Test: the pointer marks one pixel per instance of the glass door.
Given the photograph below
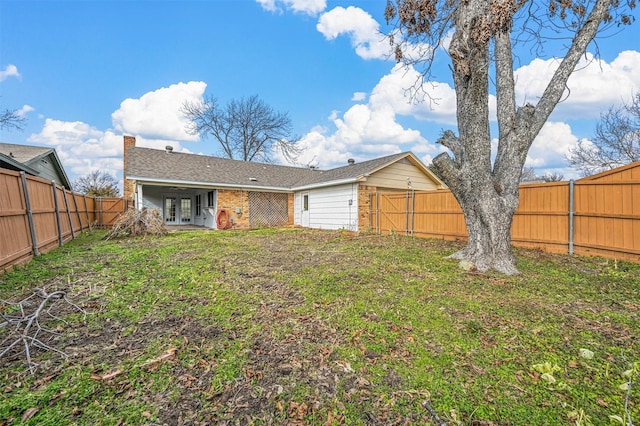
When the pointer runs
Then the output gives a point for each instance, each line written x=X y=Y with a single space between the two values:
x=185 y=210
x=170 y=210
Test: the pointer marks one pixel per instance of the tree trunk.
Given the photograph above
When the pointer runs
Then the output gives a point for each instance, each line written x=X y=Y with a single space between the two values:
x=488 y=217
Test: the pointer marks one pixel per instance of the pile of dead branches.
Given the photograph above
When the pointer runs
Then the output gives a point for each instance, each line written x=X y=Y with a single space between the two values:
x=27 y=325
x=138 y=222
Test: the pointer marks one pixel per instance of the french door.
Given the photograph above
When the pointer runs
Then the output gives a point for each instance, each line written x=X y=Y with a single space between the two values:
x=178 y=210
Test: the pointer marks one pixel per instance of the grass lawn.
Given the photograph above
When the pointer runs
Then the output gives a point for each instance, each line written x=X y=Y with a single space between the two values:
x=302 y=327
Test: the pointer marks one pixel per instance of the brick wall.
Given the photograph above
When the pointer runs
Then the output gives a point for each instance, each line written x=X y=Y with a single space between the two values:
x=290 y=208
x=231 y=200
x=364 y=207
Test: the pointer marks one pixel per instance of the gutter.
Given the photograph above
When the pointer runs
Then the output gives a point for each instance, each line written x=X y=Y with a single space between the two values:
x=325 y=184
x=192 y=184
x=205 y=185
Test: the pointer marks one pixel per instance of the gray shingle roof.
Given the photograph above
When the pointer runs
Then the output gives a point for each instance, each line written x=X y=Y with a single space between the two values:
x=27 y=157
x=158 y=165
x=24 y=154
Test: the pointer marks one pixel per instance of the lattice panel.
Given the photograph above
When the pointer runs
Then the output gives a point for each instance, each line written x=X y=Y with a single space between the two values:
x=268 y=209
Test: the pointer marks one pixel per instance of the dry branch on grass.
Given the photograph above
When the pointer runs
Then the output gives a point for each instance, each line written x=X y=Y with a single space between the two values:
x=138 y=222
x=26 y=324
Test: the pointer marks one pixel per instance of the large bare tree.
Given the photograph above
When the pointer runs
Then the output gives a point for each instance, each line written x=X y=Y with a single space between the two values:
x=616 y=141
x=247 y=129
x=481 y=52
x=97 y=183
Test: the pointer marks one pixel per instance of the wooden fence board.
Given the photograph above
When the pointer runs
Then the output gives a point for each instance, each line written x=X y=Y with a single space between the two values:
x=606 y=219
x=76 y=213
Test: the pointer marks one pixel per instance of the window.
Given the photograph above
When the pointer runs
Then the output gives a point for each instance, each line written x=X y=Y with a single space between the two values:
x=210 y=198
x=198 y=205
x=305 y=202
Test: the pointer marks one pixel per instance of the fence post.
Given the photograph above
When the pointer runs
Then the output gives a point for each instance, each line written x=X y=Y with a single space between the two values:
x=571 y=215
x=32 y=229
x=413 y=210
x=66 y=204
x=100 y=213
x=75 y=203
x=406 y=214
x=86 y=210
x=57 y=206
x=378 y=212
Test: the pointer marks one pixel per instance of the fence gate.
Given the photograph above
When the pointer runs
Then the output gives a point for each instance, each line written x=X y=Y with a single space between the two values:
x=268 y=209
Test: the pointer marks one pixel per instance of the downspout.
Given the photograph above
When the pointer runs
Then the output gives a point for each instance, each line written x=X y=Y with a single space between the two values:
x=571 y=215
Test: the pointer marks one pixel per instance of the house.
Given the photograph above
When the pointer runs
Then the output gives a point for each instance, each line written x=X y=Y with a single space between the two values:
x=217 y=192
x=34 y=160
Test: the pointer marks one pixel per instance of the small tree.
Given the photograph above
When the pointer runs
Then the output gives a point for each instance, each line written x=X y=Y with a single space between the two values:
x=552 y=177
x=480 y=35
x=98 y=184
x=246 y=129
x=616 y=141
x=528 y=174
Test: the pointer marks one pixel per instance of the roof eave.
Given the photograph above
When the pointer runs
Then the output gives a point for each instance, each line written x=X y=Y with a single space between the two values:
x=212 y=185
x=325 y=184
x=18 y=165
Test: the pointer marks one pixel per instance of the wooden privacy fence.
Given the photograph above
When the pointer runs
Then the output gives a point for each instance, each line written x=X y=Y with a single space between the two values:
x=37 y=216
x=584 y=217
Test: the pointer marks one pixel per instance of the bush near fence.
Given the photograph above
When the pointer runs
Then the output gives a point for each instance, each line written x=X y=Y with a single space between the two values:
x=587 y=217
x=37 y=216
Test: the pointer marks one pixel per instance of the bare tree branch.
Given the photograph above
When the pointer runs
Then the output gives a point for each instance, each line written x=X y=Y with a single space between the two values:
x=25 y=322
x=11 y=119
x=246 y=129
x=97 y=183
x=616 y=141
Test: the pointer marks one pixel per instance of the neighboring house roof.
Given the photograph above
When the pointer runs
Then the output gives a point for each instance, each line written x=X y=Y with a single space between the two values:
x=153 y=165
x=27 y=158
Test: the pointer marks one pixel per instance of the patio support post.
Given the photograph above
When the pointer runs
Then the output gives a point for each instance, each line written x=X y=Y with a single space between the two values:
x=57 y=206
x=32 y=229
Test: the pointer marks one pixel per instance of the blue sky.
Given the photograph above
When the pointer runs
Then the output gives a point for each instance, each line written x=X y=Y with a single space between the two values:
x=85 y=73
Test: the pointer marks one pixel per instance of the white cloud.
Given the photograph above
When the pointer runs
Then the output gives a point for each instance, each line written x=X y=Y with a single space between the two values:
x=310 y=7
x=363 y=30
x=81 y=147
x=359 y=96
x=157 y=114
x=154 y=119
x=593 y=87
x=9 y=71
x=435 y=101
x=22 y=112
x=371 y=129
x=550 y=147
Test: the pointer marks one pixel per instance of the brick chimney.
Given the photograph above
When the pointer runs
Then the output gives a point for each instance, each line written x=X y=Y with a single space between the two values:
x=129 y=188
